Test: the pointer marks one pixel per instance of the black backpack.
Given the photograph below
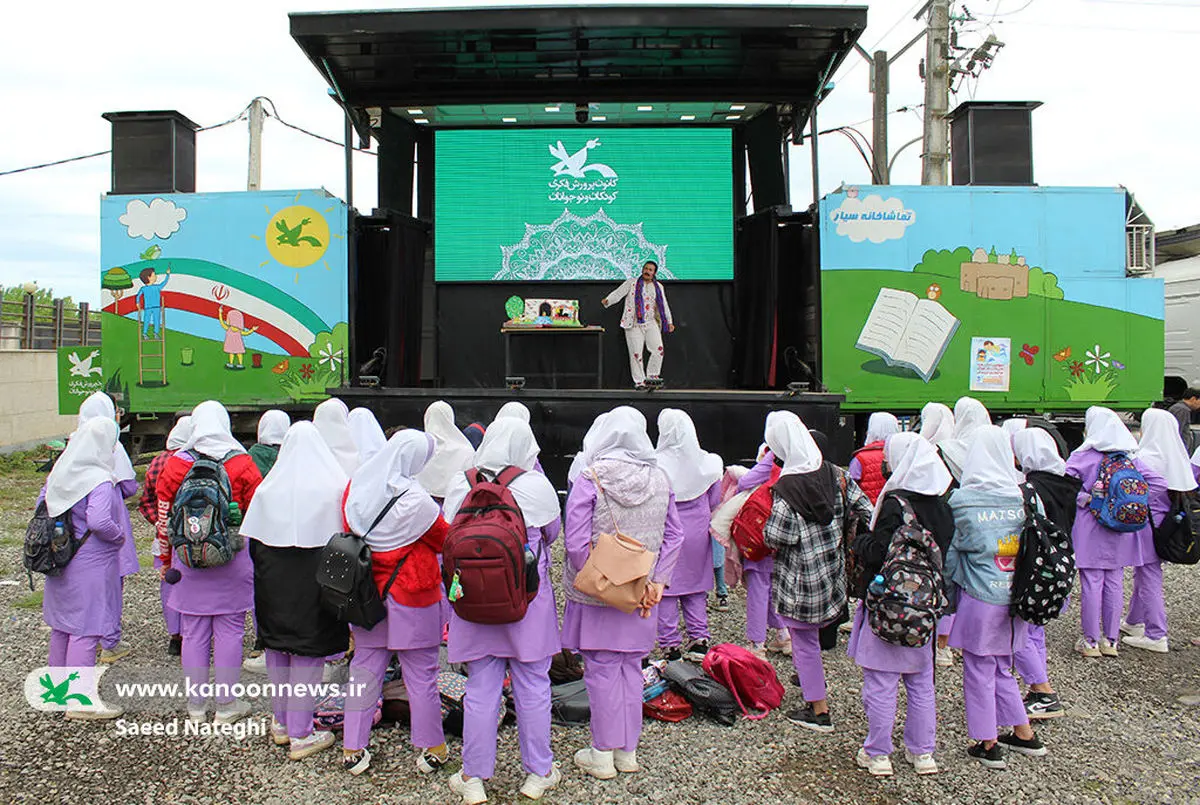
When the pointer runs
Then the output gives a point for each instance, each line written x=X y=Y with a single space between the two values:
x=1045 y=567
x=569 y=704
x=50 y=543
x=1175 y=536
x=346 y=581
x=706 y=694
x=904 y=609
x=201 y=530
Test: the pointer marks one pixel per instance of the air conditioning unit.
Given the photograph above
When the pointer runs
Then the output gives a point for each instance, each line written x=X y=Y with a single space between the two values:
x=1139 y=249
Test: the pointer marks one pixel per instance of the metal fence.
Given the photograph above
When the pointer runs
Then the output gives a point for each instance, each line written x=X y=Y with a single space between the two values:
x=25 y=324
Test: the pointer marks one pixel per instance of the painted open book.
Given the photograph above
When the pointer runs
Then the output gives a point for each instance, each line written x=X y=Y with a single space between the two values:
x=907 y=331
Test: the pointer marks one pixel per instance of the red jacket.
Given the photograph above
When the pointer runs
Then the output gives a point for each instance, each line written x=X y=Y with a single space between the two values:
x=244 y=479
x=870 y=459
x=419 y=582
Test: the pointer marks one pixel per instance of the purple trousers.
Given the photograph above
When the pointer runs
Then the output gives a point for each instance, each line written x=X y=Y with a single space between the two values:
x=1147 y=604
x=72 y=650
x=991 y=694
x=944 y=625
x=212 y=641
x=110 y=640
x=879 y=700
x=296 y=677
x=170 y=614
x=1030 y=661
x=759 y=613
x=419 y=667
x=806 y=657
x=484 y=698
x=614 y=684
x=695 y=618
x=1101 y=598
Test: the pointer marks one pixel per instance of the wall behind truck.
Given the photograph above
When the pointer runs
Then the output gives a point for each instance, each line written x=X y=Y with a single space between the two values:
x=1182 y=279
x=29 y=398
x=1015 y=295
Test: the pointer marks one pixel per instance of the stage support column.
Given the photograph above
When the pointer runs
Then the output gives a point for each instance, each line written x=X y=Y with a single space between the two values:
x=397 y=141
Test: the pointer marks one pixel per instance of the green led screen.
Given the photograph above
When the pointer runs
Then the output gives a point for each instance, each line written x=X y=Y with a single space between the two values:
x=583 y=204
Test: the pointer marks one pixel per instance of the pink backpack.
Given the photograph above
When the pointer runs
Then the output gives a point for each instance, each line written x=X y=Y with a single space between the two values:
x=752 y=681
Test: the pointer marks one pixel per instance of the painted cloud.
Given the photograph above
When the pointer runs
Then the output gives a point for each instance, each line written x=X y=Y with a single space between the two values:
x=158 y=219
x=872 y=218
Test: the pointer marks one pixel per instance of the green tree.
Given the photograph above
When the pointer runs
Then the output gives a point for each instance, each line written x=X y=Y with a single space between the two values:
x=992 y=256
x=43 y=298
x=943 y=262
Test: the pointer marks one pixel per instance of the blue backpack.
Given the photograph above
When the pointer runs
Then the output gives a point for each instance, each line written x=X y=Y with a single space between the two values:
x=1120 y=496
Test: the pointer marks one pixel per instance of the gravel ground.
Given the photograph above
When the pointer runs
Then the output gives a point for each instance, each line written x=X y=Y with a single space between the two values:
x=1129 y=736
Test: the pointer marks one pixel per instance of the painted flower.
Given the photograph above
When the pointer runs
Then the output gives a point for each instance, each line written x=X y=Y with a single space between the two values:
x=330 y=357
x=1076 y=368
x=306 y=371
x=1098 y=360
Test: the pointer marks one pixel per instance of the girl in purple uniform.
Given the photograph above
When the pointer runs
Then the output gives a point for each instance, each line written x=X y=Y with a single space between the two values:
x=756 y=575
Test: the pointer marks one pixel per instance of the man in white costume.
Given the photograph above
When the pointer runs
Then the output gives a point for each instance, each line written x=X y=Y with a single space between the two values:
x=645 y=318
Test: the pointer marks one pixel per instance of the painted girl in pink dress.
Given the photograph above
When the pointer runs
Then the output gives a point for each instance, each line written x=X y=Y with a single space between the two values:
x=234 y=325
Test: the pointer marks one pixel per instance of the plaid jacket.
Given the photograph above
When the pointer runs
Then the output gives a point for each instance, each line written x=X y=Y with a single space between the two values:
x=809 y=581
x=148 y=505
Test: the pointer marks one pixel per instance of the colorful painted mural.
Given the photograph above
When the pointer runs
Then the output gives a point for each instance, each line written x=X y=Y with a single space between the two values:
x=927 y=290
x=239 y=297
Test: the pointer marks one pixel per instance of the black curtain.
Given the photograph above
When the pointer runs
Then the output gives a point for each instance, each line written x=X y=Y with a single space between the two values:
x=387 y=277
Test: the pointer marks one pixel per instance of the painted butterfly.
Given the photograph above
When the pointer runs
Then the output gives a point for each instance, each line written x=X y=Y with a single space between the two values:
x=1028 y=353
x=1118 y=365
x=1062 y=354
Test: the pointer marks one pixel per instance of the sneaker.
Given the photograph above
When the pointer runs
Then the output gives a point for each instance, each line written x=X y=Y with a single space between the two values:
x=1158 y=646
x=780 y=645
x=255 y=664
x=1031 y=747
x=197 y=715
x=357 y=762
x=696 y=651
x=722 y=603
x=95 y=712
x=175 y=646
x=279 y=734
x=429 y=762
x=922 y=764
x=944 y=658
x=673 y=653
x=536 y=786
x=469 y=788
x=597 y=763
x=845 y=628
x=1087 y=648
x=878 y=765
x=1133 y=629
x=626 y=762
x=1043 y=705
x=759 y=650
x=1108 y=648
x=232 y=713
x=111 y=655
x=990 y=758
x=805 y=717
x=311 y=744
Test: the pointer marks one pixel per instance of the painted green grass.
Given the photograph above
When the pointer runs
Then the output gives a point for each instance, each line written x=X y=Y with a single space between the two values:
x=1051 y=325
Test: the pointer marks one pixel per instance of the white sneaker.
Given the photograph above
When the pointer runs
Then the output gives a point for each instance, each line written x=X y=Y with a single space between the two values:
x=878 y=765
x=255 y=665
x=311 y=744
x=922 y=764
x=782 y=644
x=626 y=762
x=231 y=713
x=279 y=734
x=1158 y=646
x=944 y=657
x=95 y=712
x=759 y=650
x=597 y=763
x=469 y=788
x=358 y=762
x=1133 y=629
x=536 y=786
x=197 y=715
x=1107 y=647
x=1086 y=648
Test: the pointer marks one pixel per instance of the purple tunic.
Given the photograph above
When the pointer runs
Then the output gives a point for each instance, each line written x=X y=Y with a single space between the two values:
x=868 y=651
x=129 y=557
x=592 y=628
x=1097 y=548
x=86 y=599
x=758 y=475
x=1160 y=504
x=223 y=590
x=986 y=629
x=693 y=572
x=534 y=637
x=404 y=628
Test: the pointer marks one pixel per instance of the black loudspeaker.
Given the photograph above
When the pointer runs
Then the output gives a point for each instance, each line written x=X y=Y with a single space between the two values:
x=152 y=152
x=991 y=143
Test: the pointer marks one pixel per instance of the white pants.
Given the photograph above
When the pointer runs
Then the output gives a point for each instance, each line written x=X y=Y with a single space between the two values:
x=641 y=337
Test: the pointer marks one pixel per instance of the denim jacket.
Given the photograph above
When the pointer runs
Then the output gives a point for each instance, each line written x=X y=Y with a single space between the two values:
x=987 y=536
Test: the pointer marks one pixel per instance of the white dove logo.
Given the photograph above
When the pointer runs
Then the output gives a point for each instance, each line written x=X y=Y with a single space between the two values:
x=576 y=164
x=84 y=368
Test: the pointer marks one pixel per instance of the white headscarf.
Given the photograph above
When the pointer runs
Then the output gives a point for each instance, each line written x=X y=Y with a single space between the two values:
x=452 y=453
x=969 y=418
x=391 y=472
x=790 y=441
x=273 y=426
x=1162 y=450
x=583 y=459
x=514 y=409
x=1196 y=458
x=621 y=436
x=1013 y=426
x=880 y=426
x=990 y=465
x=180 y=434
x=1037 y=451
x=916 y=468
x=99 y=405
x=299 y=503
x=1104 y=432
x=367 y=434
x=691 y=470
x=84 y=465
x=509 y=442
x=332 y=419
x=211 y=434
x=937 y=423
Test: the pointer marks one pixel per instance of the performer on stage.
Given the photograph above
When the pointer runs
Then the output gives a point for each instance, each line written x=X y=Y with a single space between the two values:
x=645 y=318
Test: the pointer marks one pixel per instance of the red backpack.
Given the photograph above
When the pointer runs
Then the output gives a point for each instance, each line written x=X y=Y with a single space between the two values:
x=752 y=681
x=747 y=528
x=485 y=566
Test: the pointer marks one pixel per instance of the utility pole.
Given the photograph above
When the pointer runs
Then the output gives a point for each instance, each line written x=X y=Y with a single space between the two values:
x=937 y=94
x=254 y=172
x=881 y=67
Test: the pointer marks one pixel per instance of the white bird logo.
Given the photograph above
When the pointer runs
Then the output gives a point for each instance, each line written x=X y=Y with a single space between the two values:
x=576 y=164
x=84 y=368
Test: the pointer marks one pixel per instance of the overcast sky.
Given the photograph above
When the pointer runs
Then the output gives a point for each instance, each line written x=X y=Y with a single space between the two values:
x=1115 y=75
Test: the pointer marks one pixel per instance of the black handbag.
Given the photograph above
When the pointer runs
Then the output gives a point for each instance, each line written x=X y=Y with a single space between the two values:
x=346 y=580
x=1175 y=536
x=569 y=704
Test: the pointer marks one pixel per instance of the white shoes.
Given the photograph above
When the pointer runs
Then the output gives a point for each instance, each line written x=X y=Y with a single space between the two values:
x=944 y=657
x=536 y=786
x=279 y=734
x=314 y=742
x=197 y=715
x=1107 y=647
x=1158 y=646
x=597 y=763
x=255 y=665
x=469 y=788
x=922 y=764
x=879 y=765
x=95 y=712
x=231 y=713
x=1133 y=629
x=759 y=650
x=1087 y=648
x=626 y=762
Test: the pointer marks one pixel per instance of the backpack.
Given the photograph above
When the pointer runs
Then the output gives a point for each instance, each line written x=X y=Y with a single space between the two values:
x=1045 y=568
x=668 y=706
x=747 y=528
x=50 y=542
x=1120 y=496
x=330 y=713
x=490 y=575
x=199 y=528
x=752 y=681
x=569 y=705
x=904 y=609
x=1175 y=536
x=702 y=692
x=346 y=580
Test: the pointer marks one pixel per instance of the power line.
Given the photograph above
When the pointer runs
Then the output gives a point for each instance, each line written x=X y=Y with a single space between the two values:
x=55 y=162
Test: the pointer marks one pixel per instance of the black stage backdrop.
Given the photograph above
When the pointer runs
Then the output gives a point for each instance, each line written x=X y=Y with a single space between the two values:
x=471 y=349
